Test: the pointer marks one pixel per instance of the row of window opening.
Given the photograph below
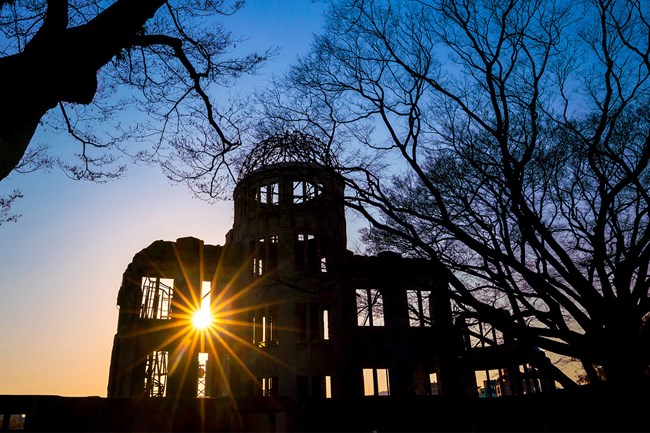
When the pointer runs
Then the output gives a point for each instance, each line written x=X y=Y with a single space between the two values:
x=302 y=191
x=312 y=324
x=370 y=307
x=157 y=296
x=307 y=255
x=376 y=381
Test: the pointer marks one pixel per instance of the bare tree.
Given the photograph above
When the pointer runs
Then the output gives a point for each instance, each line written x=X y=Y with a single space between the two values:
x=517 y=136
x=113 y=74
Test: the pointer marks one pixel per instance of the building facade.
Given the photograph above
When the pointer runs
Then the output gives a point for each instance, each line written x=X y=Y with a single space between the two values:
x=294 y=313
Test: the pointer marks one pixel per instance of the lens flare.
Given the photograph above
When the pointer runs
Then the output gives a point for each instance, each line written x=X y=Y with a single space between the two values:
x=202 y=319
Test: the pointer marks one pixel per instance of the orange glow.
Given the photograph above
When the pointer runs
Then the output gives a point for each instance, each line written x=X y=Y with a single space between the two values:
x=201 y=319
x=205 y=325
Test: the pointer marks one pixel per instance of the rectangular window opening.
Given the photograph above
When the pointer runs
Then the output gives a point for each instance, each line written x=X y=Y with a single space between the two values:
x=376 y=382
x=260 y=329
x=263 y=194
x=433 y=383
x=313 y=259
x=383 y=384
x=487 y=381
x=482 y=334
x=368 y=382
x=315 y=387
x=326 y=325
x=202 y=376
x=310 y=191
x=299 y=252
x=264 y=330
x=304 y=191
x=530 y=383
x=255 y=331
x=370 y=308
x=206 y=289
x=273 y=252
x=328 y=386
x=17 y=421
x=312 y=322
x=272 y=312
x=156 y=298
x=258 y=267
x=263 y=326
x=257 y=251
x=155 y=381
x=270 y=386
x=298 y=192
x=419 y=308
x=274 y=192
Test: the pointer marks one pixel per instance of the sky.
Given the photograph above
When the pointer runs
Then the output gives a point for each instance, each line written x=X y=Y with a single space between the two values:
x=61 y=263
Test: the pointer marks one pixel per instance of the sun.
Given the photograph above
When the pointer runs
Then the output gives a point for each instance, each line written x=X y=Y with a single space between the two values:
x=201 y=319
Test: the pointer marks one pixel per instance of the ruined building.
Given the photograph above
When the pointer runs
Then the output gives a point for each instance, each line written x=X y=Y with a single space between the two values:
x=283 y=329
x=294 y=313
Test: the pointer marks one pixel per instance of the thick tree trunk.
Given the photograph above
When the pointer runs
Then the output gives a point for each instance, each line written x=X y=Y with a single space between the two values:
x=625 y=352
x=60 y=64
x=33 y=83
x=29 y=91
x=626 y=369
x=15 y=136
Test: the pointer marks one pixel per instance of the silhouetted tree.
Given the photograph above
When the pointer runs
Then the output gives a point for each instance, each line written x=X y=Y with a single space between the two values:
x=5 y=206
x=111 y=73
x=520 y=135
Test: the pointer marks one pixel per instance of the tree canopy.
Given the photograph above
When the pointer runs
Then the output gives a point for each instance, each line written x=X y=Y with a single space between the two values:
x=505 y=140
x=116 y=75
x=508 y=141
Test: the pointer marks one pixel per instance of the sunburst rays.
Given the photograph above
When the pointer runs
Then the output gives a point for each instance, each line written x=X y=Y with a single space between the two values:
x=225 y=331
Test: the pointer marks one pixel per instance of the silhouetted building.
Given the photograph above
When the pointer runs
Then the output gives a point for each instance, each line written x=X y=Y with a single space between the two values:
x=294 y=312
x=304 y=335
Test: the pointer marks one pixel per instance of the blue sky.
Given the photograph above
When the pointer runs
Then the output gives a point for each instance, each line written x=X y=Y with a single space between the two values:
x=62 y=262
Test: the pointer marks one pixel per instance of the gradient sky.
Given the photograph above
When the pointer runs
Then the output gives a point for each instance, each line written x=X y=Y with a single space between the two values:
x=61 y=264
